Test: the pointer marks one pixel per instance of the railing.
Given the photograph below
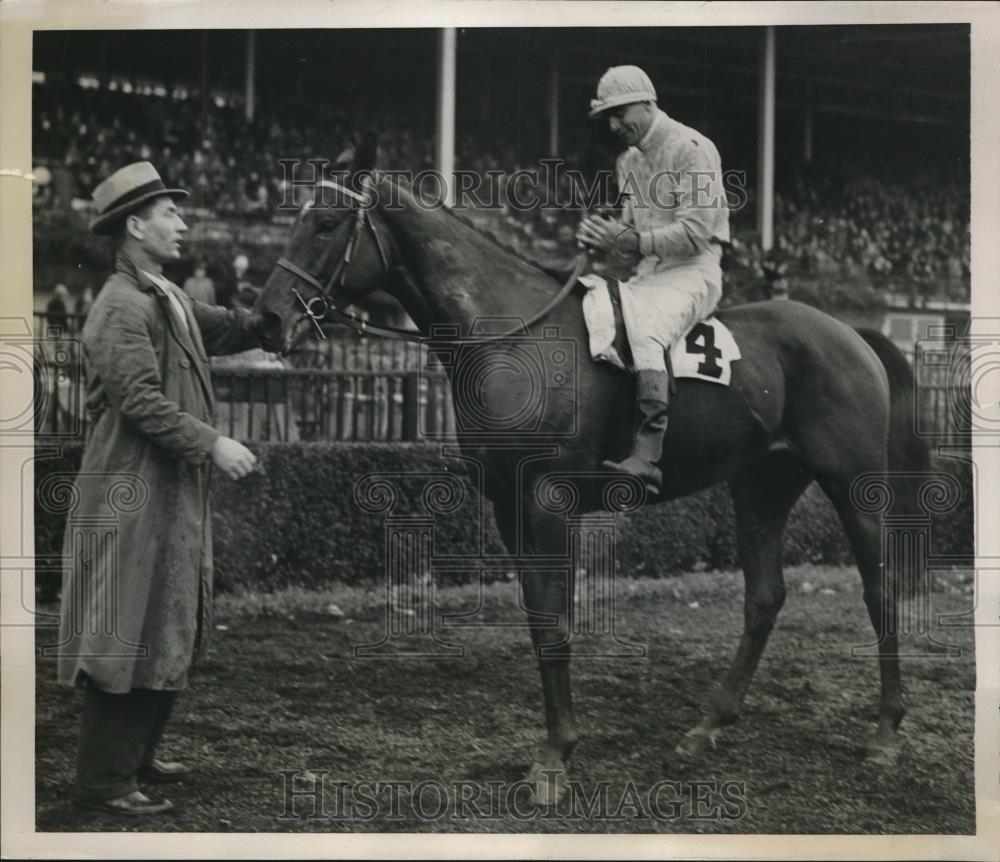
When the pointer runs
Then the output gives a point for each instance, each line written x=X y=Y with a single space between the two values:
x=317 y=404
x=287 y=404
x=944 y=395
x=370 y=390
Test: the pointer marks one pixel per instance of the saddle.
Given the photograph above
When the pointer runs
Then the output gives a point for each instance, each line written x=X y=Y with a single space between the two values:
x=705 y=352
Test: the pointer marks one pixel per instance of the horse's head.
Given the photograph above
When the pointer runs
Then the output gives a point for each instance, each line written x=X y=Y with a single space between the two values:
x=336 y=255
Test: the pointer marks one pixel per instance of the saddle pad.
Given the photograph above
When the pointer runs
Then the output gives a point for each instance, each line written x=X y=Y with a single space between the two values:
x=705 y=352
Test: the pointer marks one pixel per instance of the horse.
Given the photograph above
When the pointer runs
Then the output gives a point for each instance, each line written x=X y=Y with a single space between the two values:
x=811 y=399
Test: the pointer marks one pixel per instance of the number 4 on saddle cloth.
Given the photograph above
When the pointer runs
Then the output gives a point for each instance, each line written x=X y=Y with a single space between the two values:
x=705 y=352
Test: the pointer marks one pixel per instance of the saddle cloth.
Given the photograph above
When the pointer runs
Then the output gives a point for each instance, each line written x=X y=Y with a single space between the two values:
x=705 y=352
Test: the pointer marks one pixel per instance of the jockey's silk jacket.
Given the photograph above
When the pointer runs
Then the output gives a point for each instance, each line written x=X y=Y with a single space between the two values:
x=672 y=185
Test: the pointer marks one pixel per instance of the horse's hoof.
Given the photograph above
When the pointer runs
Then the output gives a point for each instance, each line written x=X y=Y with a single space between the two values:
x=548 y=785
x=697 y=741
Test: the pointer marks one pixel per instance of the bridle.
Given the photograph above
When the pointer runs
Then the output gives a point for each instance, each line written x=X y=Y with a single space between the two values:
x=319 y=307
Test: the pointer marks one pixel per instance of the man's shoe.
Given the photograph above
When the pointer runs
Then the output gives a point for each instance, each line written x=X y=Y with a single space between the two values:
x=134 y=804
x=652 y=394
x=163 y=772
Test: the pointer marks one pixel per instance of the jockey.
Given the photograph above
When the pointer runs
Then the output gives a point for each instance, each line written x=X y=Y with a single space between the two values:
x=674 y=221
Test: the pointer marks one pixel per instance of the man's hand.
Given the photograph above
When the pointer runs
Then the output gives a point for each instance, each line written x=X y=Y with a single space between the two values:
x=233 y=458
x=608 y=234
x=258 y=325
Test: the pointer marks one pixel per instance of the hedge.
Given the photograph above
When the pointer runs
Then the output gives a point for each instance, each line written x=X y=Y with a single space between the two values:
x=298 y=522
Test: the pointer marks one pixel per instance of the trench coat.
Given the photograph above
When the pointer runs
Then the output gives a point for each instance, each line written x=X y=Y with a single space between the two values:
x=137 y=579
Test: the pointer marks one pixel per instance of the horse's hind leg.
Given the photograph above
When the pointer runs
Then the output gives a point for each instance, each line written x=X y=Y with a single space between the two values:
x=763 y=495
x=864 y=531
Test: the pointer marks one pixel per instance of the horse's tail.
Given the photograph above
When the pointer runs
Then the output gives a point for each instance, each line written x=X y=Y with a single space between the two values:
x=907 y=451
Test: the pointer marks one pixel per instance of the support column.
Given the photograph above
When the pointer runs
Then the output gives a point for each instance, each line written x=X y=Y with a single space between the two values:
x=446 y=112
x=765 y=143
x=554 y=104
x=807 y=136
x=102 y=60
x=807 y=125
x=249 y=102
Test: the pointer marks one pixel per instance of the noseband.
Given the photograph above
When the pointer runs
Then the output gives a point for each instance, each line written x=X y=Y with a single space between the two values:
x=319 y=306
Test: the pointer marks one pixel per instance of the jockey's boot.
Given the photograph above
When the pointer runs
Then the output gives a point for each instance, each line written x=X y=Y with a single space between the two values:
x=652 y=395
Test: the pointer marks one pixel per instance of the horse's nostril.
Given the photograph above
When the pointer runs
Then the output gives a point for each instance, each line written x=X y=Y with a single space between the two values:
x=269 y=326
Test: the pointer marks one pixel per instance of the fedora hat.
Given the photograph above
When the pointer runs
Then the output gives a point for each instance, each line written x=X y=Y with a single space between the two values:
x=126 y=189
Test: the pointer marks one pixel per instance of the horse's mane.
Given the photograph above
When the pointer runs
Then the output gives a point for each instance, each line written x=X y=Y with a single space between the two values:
x=491 y=238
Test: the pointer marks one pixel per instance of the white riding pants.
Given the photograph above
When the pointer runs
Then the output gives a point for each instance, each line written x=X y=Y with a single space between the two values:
x=659 y=307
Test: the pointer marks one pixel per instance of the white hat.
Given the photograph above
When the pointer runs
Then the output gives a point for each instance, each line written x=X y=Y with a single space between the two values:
x=622 y=85
x=125 y=190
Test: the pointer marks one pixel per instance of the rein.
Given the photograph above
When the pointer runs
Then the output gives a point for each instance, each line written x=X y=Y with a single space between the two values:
x=319 y=307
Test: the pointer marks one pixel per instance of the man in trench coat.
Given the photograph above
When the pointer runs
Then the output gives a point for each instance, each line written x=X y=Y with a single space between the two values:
x=137 y=593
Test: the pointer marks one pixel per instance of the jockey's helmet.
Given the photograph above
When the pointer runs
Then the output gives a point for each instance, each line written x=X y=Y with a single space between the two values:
x=622 y=85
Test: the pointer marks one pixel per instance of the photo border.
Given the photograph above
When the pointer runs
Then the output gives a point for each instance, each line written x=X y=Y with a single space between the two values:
x=17 y=744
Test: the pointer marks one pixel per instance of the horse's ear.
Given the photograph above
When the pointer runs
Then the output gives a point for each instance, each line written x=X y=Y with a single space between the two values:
x=345 y=159
x=365 y=151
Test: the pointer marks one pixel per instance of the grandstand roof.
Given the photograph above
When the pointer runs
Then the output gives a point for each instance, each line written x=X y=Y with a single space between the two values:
x=913 y=73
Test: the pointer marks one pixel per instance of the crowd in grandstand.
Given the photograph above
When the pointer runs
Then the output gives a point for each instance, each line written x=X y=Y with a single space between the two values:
x=827 y=221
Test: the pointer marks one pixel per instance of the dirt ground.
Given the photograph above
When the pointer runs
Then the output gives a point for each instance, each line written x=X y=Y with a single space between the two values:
x=283 y=702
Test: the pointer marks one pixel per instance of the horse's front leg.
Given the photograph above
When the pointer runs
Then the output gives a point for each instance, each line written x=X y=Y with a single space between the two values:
x=547 y=596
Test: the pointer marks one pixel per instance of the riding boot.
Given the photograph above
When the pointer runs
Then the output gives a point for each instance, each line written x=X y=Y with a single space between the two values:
x=651 y=406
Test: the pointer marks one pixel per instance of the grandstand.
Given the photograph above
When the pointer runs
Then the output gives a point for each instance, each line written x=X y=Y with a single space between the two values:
x=869 y=131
